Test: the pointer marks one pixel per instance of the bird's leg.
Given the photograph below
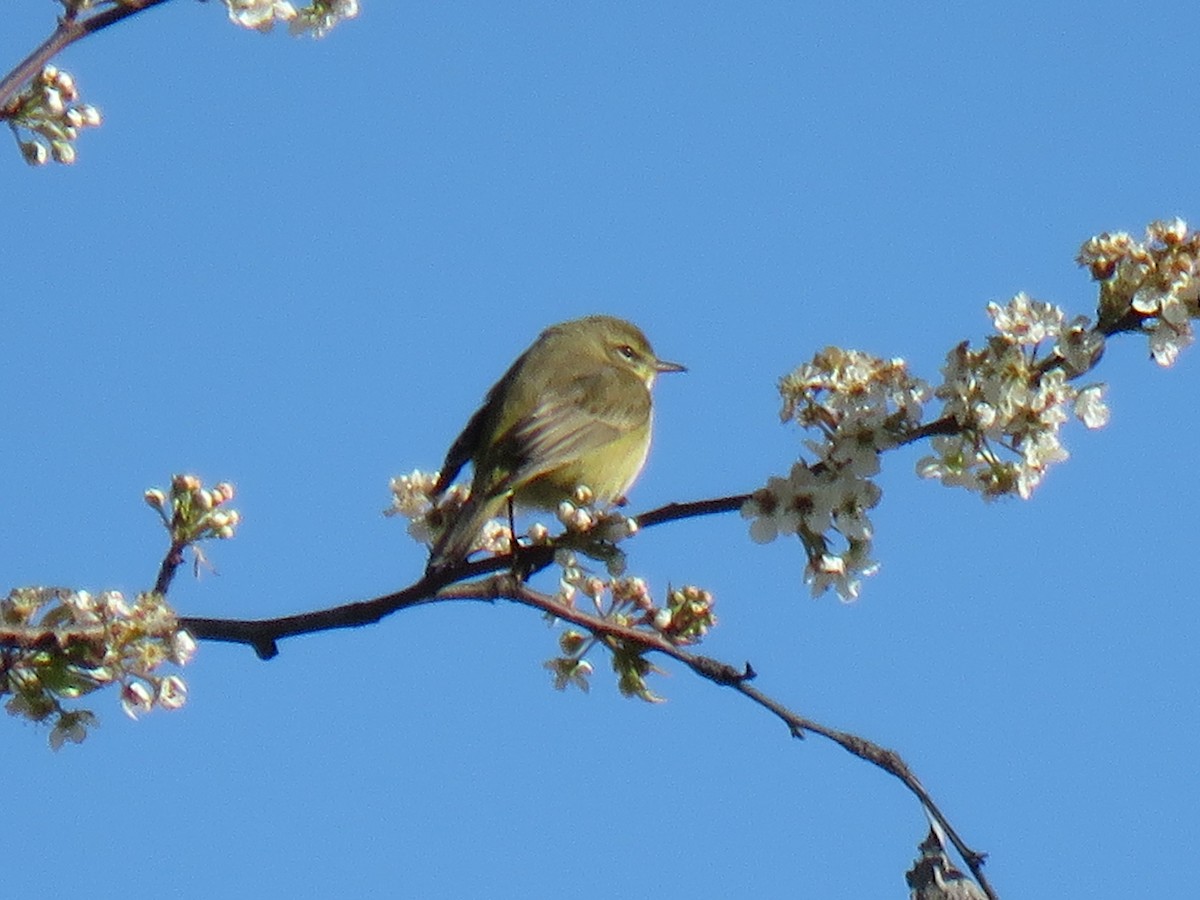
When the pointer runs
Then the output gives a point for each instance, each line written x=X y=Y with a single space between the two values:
x=519 y=571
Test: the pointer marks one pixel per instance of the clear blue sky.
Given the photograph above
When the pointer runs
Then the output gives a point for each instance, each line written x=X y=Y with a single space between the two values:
x=298 y=267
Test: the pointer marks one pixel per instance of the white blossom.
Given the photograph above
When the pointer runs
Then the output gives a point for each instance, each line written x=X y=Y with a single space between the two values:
x=1010 y=398
x=172 y=692
x=136 y=699
x=824 y=506
x=1090 y=407
x=1152 y=285
x=261 y=15
x=1027 y=321
x=1168 y=340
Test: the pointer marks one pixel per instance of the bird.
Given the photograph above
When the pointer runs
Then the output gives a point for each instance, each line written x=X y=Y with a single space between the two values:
x=573 y=410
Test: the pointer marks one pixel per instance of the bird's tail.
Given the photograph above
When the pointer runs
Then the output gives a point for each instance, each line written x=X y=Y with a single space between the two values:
x=462 y=534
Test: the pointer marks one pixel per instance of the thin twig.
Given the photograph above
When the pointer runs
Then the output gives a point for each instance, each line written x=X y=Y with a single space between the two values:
x=71 y=28
x=503 y=586
x=888 y=760
x=171 y=562
x=672 y=511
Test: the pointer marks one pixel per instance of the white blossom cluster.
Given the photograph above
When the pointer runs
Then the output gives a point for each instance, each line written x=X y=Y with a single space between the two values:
x=412 y=498
x=46 y=118
x=860 y=405
x=317 y=19
x=192 y=512
x=63 y=644
x=1149 y=284
x=572 y=668
x=1009 y=399
x=1004 y=403
x=684 y=619
x=49 y=112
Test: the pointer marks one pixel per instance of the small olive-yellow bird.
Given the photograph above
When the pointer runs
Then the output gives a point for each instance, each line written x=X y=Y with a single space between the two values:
x=573 y=410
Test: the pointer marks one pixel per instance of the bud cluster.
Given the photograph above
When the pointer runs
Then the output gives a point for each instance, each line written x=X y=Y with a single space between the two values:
x=685 y=619
x=933 y=875
x=194 y=513
x=687 y=616
x=1010 y=398
x=582 y=519
x=49 y=111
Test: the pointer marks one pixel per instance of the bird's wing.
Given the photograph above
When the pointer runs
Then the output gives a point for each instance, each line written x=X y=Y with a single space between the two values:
x=477 y=431
x=462 y=449
x=594 y=409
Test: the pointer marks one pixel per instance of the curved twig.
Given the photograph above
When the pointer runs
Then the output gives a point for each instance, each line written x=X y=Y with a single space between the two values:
x=71 y=28
x=503 y=586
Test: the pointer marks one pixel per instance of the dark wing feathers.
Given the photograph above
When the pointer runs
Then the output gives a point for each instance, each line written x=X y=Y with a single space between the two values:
x=585 y=416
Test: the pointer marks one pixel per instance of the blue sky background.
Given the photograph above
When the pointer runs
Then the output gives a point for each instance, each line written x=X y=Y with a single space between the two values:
x=299 y=266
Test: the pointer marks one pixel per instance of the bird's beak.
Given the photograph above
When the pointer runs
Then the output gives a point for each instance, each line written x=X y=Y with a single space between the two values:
x=661 y=365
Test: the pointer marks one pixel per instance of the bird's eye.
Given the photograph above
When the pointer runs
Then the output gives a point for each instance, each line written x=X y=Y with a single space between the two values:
x=626 y=351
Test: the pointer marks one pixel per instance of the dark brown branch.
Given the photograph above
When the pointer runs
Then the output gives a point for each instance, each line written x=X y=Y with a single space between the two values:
x=505 y=587
x=70 y=29
x=264 y=634
x=674 y=511
x=496 y=582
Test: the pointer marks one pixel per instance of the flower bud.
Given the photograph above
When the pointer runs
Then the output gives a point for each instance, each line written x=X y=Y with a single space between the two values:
x=65 y=82
x=54 y=102
x=62 y=152
x=34 y=153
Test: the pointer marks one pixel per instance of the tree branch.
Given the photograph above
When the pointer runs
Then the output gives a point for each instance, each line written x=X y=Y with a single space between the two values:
x=888 y=760
x=672 y=511
x=504 y=586
x=70 y=29
x=495 y=581
x=263 y=634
